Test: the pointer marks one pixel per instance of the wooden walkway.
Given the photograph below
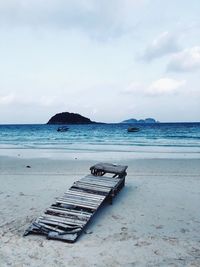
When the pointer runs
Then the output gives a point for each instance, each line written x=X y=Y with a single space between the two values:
x=67 y=218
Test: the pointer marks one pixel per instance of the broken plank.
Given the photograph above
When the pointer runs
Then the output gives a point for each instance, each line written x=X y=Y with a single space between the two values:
x=76 y=204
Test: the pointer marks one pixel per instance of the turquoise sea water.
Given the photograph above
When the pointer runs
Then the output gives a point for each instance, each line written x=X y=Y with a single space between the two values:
x=161 y=138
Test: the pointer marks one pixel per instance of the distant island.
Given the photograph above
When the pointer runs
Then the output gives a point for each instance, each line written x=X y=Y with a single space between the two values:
x=148 y=120
x=69 y=118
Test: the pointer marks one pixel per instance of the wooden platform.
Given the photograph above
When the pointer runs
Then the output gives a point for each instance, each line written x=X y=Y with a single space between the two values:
x=67 y=218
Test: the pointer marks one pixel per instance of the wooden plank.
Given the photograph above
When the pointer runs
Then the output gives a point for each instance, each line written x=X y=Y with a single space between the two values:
x=83 y=198
x=73 y=211
x=99 y=182
x=50 y=228
x=103 y=178
x=95 y=187
x=91 y=189
x=82 y=193
x=61 y=220
x=76 y=204
x=87 y=190
x=61 y=212
x=79 y=201
x=55 y=223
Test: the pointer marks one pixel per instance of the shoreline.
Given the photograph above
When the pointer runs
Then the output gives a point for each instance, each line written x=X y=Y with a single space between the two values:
x=154 y=220
x=100 y=154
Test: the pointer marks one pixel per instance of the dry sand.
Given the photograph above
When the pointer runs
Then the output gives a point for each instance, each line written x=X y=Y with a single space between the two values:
x=154 y=221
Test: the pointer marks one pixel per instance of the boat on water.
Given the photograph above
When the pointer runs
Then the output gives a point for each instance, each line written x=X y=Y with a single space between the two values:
x=62 y=129
x=133 y=129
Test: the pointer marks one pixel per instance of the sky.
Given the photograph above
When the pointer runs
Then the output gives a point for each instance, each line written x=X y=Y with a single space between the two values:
x=108 y=60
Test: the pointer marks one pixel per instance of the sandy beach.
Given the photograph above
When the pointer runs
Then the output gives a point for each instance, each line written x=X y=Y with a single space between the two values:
x=154 y=220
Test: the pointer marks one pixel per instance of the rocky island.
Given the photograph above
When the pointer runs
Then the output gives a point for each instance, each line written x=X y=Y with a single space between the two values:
x=148 y=120
x=69 y=118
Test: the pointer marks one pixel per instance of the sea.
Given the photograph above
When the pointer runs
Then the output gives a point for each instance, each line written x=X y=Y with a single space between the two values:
x=158 y=140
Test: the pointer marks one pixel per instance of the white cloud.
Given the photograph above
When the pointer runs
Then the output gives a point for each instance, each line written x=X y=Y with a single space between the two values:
x=165 y=43
x=165 y=86
x=186 y=60
x=27 y=100
x=160 y=87
x=7 y=99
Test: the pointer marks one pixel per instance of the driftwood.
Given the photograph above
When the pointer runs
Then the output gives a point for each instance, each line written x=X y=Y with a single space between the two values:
x=67 y=218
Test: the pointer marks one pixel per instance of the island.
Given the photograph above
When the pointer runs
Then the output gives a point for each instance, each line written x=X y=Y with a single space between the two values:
x=69 y=118
x=148 y=120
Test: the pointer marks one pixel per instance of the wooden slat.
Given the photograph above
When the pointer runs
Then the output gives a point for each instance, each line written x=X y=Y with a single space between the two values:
x=50 y=228
x=81 y=193
x=75 y=200
x=82 y=197
x=73 y=211
x=76 y=204
x=103 y=178
x=95 y=187
x=89 y=190
x=99 y=182
x=61 y=220
x=76 y=215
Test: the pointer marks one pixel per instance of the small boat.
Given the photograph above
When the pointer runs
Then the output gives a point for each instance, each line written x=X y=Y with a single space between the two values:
x=62 y=129
x=133 y=129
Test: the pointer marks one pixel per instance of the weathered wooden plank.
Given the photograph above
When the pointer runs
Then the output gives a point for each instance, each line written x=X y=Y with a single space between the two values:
x=102 y=178
x=76 y=204
x=82 y=193
x=61 y=220
x=75 y=215
x=93 y=186
x=55 y=223
x=49 y=228
x=71 y=210
x=99 y=182
x=87 y=190
x=83 y=198
x=77 y=201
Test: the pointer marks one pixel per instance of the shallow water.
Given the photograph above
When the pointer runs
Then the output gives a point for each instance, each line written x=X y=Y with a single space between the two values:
x=151 y=138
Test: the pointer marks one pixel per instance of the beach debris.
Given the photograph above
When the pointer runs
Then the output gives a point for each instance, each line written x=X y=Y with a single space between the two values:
x=28 y=166
x=68 y=217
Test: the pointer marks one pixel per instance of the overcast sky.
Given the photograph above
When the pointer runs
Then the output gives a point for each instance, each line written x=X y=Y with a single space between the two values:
x=108 y=60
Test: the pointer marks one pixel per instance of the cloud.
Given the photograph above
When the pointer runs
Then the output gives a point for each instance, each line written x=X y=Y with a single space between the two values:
x=108 y=18
x=27 y=100
x=7 y=99
x=186 y=60
x=165 y=86
x=164 y=44
x=160 y=87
